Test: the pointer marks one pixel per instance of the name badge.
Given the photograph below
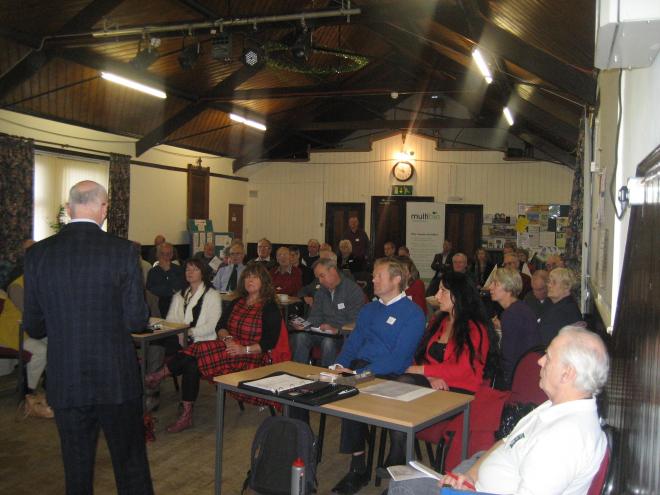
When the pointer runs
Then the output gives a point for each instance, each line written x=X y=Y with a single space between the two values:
x=391 y=320
x=340 y=306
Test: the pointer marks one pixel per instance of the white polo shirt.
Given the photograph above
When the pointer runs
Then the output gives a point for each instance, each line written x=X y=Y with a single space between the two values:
x=554 y=450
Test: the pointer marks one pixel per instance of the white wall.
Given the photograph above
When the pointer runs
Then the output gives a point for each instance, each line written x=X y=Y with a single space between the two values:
x=158 y=197
x=640 y=134
x=291 y=197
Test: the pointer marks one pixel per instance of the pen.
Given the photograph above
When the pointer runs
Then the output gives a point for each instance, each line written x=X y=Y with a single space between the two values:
x=465 y=482
x=343 y=392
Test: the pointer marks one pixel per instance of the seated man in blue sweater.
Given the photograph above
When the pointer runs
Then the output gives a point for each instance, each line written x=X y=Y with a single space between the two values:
x=384 y=341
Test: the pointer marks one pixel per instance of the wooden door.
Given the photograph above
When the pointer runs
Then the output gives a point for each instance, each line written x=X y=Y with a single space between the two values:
x=388 y=220
x=235 y=220
x=198 y=192
x=336 y=220
x=463 y=227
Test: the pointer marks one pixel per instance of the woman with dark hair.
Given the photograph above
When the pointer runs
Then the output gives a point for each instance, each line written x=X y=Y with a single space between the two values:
x=199 y=305
x=458 y=350
x=481 y=267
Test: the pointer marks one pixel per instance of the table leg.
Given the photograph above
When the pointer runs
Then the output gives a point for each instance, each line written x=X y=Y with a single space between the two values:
x=410 y=446
x=466 y=431
x=220 y=413
x=144 y=346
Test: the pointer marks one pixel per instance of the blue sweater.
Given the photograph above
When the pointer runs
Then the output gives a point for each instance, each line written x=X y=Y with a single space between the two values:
x=385 y=336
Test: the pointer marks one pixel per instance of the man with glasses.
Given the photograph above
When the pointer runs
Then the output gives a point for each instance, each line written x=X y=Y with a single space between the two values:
x=227 y=277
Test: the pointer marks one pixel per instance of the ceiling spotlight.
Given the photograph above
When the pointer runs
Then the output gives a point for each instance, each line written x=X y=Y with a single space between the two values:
x=253 y=57
x=189 y=55
x=483 y=66
x=148 y=56
x=508 y=116
x=302 y=47
x=221 y=47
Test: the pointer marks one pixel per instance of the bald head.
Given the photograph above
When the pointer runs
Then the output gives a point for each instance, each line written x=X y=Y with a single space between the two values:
x=88 y=199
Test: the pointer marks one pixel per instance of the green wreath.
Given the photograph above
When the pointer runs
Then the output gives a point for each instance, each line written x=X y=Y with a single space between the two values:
x=350 y=62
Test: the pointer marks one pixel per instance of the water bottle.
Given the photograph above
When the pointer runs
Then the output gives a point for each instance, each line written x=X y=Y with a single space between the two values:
x=298 y=477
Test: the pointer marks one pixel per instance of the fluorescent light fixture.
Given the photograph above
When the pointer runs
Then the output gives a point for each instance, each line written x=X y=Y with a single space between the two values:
x=133 y=84
x=483 y=67
x=507 y=115
x=248 y=122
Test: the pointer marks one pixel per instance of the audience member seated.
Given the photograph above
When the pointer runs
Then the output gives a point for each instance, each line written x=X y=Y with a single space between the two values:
x=358 y=238
x=516 y=325
x=206 y=255
x=199 y=305
x=559 y=446
x=455 y=349
x=441 y=263
x=336 y=302
x=564 y=310
x=386 y=335
x=309 y=290
x=404 y=251
x=11 y=313
x=166 y=278
x=414 y=285
x=264 y=248
x=306 y=271
x=389 y=249
x=152 y=257
x=312 y=255
x=346 y=260
x=287 y=279
x=511 y=261
x=226 y=280
x=525 y=266
x=481 y=267
x=554 y=261
x=537 y=298
x=509 y=248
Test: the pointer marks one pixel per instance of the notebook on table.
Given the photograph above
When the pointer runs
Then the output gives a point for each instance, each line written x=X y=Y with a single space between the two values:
x=301 y=390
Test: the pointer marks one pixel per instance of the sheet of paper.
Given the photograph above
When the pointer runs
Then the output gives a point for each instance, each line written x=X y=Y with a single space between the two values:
x=398 y=391
x=401 y=473
x=547 y=239
x=278 y=383
x=215 y=263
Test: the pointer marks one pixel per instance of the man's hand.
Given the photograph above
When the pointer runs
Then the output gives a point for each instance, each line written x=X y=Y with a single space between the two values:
x=326 y=327
x=438 y=383
x=297 y=326
x=496 y=323
x=341 y=369
x=416 y=370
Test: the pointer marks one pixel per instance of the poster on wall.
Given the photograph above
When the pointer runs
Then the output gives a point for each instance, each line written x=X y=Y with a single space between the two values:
x=425 y=232
x=542 y=227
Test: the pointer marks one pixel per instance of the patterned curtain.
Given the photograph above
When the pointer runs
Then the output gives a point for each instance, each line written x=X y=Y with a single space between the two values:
x=573 y=254
x=16 y=199
x=119 y=194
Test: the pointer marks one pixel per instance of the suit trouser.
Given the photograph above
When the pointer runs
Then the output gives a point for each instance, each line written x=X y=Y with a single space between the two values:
x=123 y=428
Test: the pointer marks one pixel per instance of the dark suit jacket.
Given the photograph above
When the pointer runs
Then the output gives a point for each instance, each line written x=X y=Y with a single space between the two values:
x=83 y=289
x=439 y=266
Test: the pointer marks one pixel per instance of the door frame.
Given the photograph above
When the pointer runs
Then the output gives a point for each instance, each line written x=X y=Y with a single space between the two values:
x=360 y=207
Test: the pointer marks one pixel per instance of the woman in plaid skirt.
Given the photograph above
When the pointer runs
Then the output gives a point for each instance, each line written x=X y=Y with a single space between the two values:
x=247 y=330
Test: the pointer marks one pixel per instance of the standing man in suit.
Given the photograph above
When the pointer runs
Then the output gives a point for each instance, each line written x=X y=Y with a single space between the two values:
x=83 y=289
x=441 y=263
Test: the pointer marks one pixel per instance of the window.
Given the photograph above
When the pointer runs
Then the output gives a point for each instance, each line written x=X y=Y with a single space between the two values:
x=54 y=175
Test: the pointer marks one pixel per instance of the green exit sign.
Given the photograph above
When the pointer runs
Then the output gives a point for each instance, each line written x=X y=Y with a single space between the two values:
x=402 y=190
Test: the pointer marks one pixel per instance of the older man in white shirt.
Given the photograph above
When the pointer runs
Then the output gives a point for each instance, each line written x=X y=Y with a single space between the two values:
x=558 y=447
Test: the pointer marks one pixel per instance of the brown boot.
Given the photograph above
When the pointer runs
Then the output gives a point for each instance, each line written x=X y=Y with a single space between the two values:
x=152 y=380
x=185 y=420
x=37 y=407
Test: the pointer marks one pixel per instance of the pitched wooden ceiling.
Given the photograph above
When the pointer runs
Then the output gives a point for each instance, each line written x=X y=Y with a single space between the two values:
x=540 y=53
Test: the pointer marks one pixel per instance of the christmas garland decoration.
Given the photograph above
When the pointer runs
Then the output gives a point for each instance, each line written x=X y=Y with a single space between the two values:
x=350 y=62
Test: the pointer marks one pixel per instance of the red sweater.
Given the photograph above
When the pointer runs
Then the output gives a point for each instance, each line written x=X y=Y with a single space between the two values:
x=287 y=283
x=459 y=373
x=418 y=294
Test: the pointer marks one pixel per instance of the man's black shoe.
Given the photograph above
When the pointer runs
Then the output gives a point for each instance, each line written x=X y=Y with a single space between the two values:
x=351 y=483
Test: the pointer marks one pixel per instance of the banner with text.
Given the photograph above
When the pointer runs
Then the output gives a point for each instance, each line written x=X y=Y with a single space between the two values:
x=425 y=232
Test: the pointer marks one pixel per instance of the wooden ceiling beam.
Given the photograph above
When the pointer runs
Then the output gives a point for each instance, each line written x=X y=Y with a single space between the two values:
x=36 y=59
x=157 y=135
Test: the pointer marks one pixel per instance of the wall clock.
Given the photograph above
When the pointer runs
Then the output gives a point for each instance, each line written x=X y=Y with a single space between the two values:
x=403 y=171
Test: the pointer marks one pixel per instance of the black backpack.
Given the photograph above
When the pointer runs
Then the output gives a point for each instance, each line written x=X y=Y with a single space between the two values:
x=277 y=443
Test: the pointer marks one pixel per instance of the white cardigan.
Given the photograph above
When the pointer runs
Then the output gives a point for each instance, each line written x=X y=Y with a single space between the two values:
x=208 y=316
